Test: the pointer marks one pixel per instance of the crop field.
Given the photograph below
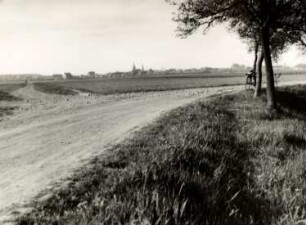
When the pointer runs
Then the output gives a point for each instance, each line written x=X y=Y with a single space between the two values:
x=10 y=86
x=144 y=84
x=125 y=85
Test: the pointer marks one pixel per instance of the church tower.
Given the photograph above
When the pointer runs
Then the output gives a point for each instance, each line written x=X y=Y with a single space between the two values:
x=134 y=69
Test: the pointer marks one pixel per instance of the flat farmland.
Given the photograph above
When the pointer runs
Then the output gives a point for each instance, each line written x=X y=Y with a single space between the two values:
x=45 y=137
x=10 y=86
x=144 y=84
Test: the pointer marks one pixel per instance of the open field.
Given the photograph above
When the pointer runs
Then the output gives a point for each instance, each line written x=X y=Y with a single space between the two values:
x=144 y=84
x=49 y=136
x=11 y=86
x=81 y=126
x=217 y=161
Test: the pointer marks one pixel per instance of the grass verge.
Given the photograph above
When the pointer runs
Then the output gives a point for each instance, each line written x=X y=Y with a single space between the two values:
x=222 y=161
x=4 y=96
x=7 y=110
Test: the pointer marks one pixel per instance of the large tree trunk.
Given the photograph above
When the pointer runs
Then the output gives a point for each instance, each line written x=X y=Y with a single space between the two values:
x=256 y=55
x=265 y=38
x=259 y=75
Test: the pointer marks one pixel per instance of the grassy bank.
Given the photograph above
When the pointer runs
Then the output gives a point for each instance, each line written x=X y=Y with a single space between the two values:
x=4 y=96
x=5 y=111
x=222 y=161
x=7 y=97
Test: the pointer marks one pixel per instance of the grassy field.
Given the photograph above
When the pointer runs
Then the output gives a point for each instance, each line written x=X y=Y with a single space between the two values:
x=54 y=88
x=11 y=86
x=141 y=84
x=218 y=161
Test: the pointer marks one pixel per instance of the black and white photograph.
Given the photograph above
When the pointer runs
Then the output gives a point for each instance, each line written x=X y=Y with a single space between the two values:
x=152 y=112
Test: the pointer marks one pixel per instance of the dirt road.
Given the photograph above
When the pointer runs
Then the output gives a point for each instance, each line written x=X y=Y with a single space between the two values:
x=50 y=136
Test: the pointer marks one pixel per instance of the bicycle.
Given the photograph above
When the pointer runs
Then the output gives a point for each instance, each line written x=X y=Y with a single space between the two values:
x=250 y=82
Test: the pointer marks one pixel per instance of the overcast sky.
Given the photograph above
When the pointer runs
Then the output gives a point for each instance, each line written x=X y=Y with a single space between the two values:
x=56 y=36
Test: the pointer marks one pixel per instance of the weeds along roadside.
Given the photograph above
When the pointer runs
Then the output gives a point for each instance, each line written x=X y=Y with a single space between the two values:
x=222 y=161
x=5 y=96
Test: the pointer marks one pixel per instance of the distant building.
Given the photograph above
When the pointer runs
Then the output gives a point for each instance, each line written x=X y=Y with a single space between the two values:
x=58 y=76
x=92 y=74
x=116 y=74
x=138 y=72
x=68 y=76
x=134 y=69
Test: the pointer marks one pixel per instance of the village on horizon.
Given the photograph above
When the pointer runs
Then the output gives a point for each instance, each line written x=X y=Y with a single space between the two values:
x=234 y=70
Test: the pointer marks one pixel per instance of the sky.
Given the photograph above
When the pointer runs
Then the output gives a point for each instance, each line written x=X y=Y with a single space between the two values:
x=77 y=36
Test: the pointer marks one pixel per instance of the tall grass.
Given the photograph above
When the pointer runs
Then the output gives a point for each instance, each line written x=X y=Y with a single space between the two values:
x=6 y=97
x=222 y=161
x=5 y=111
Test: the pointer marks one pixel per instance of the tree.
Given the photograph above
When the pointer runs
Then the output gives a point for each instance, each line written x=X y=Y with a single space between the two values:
x=250 y=35
x=279 y=43
x=266 y=17
x=259 y=75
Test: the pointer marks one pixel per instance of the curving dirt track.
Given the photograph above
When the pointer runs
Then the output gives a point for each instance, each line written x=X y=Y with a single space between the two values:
x=50 y=136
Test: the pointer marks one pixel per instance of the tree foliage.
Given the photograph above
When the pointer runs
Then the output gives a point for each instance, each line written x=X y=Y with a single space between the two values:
x=274 y=24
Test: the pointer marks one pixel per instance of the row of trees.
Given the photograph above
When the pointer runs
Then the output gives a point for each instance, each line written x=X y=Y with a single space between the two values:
x=269 y=26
